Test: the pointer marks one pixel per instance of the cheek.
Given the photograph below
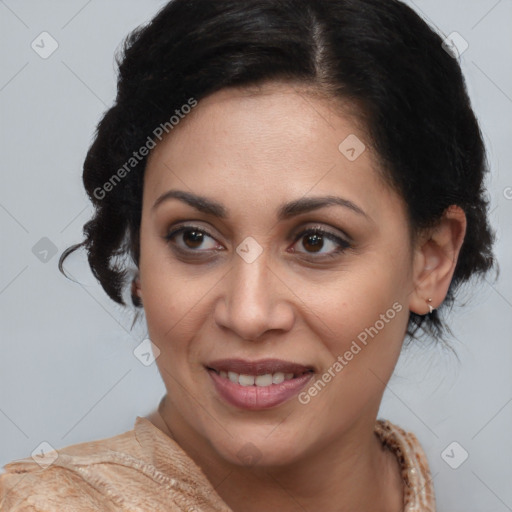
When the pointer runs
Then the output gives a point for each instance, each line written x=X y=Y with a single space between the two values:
x=362 y=333
x=173 y=309
x=177 y=300
x=168 y=297
x=355 y=302
x=362 y=316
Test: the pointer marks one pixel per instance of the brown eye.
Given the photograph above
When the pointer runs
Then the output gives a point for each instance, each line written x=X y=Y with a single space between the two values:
x=315 y=240
x=193 y=239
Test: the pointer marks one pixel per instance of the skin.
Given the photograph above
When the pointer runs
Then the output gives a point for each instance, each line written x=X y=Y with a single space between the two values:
x=253 y=150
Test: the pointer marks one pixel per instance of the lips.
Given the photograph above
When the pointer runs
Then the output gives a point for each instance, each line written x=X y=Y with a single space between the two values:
x=258 y=384
x=261 y=367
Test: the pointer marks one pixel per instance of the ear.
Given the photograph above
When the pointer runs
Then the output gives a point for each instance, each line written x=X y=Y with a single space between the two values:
x=136 y=288
x=434 y=260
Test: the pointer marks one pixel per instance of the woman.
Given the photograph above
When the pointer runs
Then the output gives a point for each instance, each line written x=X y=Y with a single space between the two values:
x=299 y=185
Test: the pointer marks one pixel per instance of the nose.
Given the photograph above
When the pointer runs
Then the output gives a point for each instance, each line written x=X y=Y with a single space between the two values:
x=254 y=300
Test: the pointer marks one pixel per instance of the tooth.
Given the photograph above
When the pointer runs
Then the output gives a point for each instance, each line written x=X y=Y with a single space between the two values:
x=278 y=377
x=264 y=380
x=246 y=380
x=259 y=380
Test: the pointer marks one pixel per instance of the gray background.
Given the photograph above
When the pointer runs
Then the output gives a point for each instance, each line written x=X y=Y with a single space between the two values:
x=68 y=373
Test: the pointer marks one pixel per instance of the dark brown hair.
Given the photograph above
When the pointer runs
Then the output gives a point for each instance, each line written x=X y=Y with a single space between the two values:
x=379 y=55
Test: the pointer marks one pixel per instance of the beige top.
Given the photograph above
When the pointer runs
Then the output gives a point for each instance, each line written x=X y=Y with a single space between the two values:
x=146 y=470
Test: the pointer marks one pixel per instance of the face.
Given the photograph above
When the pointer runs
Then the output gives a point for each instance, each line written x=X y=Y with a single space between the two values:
x=279 y=314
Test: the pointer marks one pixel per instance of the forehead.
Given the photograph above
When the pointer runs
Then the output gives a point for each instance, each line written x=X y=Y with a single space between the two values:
x=274 y=142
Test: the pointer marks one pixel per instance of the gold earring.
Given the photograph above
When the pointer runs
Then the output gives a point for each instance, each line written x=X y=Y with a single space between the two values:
x=430 y=306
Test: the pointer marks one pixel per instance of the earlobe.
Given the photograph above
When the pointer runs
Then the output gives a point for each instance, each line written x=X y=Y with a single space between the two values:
x=435 y=260
x=136 y=288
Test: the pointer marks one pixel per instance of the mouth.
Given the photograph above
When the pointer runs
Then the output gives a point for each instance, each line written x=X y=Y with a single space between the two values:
x=258 y=384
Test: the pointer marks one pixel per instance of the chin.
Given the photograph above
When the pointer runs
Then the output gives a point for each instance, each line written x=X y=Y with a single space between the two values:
x=260 y=446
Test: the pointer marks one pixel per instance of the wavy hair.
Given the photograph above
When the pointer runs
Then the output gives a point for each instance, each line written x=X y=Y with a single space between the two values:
x=377 y=55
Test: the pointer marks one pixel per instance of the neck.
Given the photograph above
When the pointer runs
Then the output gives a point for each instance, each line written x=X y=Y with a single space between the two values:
x=354 y=472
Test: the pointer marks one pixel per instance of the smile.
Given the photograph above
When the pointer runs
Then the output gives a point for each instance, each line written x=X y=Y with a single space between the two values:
x=268 y=379
x=258 y=385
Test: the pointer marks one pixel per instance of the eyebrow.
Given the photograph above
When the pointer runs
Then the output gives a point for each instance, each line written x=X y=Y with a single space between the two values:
x=286 y=211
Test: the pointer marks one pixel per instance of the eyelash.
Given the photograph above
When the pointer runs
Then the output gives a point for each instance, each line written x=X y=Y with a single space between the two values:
x=342 y=244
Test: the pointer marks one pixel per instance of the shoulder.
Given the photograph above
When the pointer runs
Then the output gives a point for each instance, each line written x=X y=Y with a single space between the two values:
x=49 y=490
x=46 y=482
